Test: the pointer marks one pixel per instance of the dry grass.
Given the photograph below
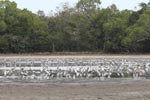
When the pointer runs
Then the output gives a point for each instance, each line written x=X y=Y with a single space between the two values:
x=72 y=56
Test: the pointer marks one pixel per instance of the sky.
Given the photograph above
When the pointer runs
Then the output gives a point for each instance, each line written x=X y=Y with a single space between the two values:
x=50 y=5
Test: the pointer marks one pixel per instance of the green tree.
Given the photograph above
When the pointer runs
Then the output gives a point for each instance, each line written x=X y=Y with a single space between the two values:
x=3 y=45
x=115 y=31
x=23 y=29
x=139 y=34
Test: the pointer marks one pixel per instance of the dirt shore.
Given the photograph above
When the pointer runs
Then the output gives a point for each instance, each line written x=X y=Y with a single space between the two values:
x=100 y=90
x=74 y=56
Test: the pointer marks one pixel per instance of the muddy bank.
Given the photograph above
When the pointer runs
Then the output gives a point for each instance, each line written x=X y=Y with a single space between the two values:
x=100 y=90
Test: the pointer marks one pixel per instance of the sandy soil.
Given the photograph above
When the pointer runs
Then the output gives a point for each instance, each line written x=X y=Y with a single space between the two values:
x=99 y=90
x=75 y=56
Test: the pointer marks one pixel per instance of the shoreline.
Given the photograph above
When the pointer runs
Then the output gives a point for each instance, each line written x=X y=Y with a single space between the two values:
x=74 y=56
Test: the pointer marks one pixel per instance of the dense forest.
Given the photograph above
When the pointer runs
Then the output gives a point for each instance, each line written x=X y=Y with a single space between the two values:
x=86 y=27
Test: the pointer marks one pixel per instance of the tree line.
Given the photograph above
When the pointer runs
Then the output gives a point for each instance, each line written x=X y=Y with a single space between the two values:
x=84 y=27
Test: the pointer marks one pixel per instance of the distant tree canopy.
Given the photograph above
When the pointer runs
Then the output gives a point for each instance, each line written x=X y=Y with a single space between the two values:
x=85 y=27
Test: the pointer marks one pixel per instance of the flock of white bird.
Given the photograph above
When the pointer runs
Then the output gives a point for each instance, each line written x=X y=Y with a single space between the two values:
x=73 y=68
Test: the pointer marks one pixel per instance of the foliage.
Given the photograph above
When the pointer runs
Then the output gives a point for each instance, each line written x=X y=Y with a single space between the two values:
x=85 y=27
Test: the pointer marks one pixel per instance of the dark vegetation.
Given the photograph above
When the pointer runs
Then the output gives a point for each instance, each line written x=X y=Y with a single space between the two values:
x=84 y=28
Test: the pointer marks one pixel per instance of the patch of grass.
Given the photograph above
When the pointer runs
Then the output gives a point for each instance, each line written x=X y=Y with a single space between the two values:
x=126 y=75
x=1 y=73
x=115 y=75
